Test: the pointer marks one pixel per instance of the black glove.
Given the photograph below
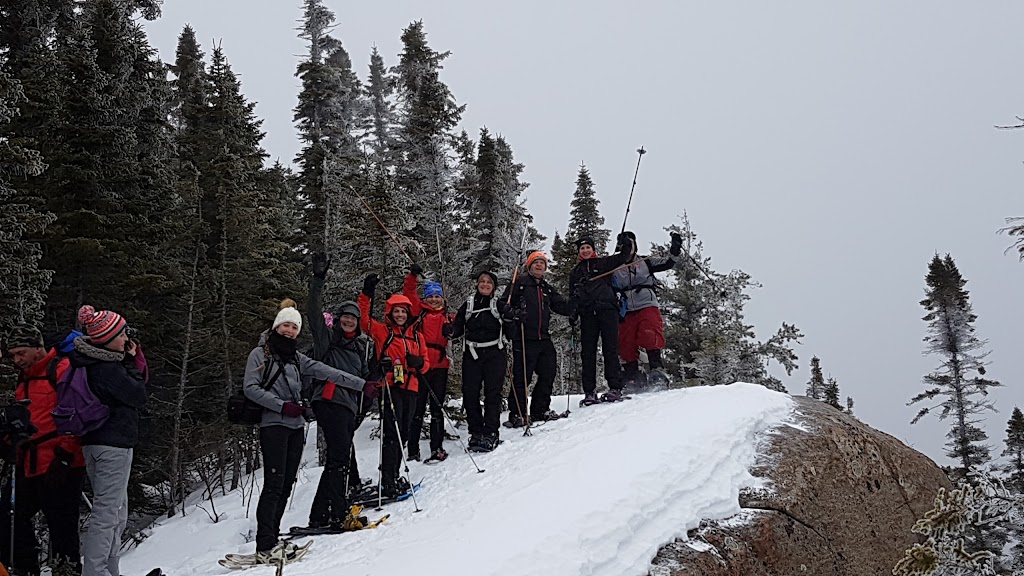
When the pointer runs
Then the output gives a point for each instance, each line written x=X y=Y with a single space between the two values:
x=16 y=420
x=447 y=330
x=415 y=269
x=320 y=265
x=413 y=361
x=677 y=244
x=370 y=284
x=386 y=365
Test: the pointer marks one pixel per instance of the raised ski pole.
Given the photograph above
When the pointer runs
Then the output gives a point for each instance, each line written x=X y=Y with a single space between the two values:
x=401 y=447
x=379 y=221
x=640 y=154
x=455 y=430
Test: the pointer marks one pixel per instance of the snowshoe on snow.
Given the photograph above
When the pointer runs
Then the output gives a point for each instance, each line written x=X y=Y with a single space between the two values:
x=614 y=395
x=590 y=400
x=369 y=497
x=353 y=521
x=487 y=443
x=474 y=442
x=658 y=379
x=285 y=552
x=436 y=456
x=546 y=417
x=450 y=436
x=515 y=421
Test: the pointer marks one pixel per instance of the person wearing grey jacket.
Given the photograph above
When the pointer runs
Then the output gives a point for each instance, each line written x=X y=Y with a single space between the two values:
x=338 y=410
x=274 y=380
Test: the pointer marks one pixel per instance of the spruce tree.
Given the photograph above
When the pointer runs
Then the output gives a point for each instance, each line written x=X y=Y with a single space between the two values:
x=832 y=393
x=379 y=125
x=23 y=220
x=958 y=386
x=1014 y=451
x=816 y=385
x=584 y=220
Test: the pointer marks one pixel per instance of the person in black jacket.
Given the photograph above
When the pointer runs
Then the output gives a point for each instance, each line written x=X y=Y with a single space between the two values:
x=596 y=306
x=484 y=360
x=117 y=373
x=531 y=302
x=338 y=410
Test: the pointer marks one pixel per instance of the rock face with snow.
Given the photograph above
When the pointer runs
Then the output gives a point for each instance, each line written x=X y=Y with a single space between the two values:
x=841 y=500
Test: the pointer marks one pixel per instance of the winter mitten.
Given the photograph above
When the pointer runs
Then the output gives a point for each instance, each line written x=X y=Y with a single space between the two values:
x=370 y=284
x=292 y=410
x=677 y=244
x=320 y=265
x=413 y=361
x=16 y=420
x=415 y=269
x=447 y=330
x=371 y=388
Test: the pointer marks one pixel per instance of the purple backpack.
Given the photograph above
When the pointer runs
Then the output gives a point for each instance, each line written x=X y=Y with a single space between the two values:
x=78 y=410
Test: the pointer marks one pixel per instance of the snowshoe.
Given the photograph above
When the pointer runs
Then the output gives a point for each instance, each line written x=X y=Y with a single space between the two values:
x=474 y=442
x=369 y=497
x=487 y=443
x=590 y=400
x=514 y=422
x=636 y=381
x=658 y=379
x=450 y=436
x=284 y=551
x=436 y=456
x=546 y=417
x=614 y=395
x=353 y=521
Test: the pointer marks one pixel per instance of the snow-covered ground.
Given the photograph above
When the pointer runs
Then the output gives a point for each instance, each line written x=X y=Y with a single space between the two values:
x=594 y=494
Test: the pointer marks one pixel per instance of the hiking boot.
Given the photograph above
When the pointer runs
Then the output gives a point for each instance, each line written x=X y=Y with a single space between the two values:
x=414 y=453
x=397 y=487
x=546 y=417
x=612 y=395
x=515 y=421
x=438 y=455
x=590 y=399
x=475 y=441
x=658 y=378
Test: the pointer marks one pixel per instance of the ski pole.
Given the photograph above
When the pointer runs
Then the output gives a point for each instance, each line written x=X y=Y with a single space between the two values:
x=401 y=447
x=640 y=154
x=455 y=430
x=380 y=463
x=385 y=228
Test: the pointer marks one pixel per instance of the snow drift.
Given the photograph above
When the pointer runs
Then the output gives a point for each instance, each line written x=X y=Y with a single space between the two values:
x=597 y=493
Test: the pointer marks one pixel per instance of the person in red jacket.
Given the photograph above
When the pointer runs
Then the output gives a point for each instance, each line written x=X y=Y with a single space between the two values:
x=50 y=468
x=434 y=323
x=403 y=361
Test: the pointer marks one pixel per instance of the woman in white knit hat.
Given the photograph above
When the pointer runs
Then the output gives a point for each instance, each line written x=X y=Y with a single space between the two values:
x=273 y=379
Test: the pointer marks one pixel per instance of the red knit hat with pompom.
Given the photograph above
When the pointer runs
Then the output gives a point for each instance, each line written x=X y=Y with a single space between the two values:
x=100 y=326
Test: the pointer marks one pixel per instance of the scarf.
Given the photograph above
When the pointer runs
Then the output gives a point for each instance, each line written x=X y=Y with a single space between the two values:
x=85 y=348
x=282 y=346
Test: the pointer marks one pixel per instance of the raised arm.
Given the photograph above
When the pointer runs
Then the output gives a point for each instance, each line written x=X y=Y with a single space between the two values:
x=409 y=286
x=315 y=308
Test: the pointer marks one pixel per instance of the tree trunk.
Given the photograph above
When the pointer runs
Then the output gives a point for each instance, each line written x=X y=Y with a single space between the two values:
x=177 y=475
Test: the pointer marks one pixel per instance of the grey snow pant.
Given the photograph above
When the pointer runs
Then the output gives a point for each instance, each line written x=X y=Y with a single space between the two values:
x=108 y=468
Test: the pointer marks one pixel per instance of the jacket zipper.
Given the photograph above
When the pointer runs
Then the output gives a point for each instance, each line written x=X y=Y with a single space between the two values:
x=540 y=310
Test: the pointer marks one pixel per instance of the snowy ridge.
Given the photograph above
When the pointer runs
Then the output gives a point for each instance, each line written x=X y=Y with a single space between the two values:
x=595 y=494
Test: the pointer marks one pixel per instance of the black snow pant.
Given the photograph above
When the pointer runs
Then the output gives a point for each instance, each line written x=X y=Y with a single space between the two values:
x=282 y=452
x=487 y=370
x=601 y=323
x=57 y=494
x=404 y=403
x=541 y=359
x=330 y=505
x=433 y=387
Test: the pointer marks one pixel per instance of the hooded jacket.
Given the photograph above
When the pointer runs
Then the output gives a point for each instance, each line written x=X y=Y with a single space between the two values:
x=288 y=386
x=589 y=295
x=332 y=347
x=119 y=381
x=393 y=341
x=34 y=384
x=431 y=322
x=535 y=300
x=637 y=283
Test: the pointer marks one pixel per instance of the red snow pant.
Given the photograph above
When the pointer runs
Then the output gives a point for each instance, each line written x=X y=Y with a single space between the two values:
x=642 y=328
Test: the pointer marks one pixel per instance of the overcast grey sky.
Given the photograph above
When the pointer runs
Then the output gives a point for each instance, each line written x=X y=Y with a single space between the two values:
x=828 y=150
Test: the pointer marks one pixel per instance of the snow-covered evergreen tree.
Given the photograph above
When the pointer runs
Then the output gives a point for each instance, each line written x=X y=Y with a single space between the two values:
x=816 y=385
x=23 y=220
x=585 y=219
x=832 y=393
x=379 y=124
x=958 y=386
x=1014 y=470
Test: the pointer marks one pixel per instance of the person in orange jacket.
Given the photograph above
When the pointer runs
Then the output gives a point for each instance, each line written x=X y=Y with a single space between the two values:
x=434 y=324
x=50 y=468
x=402 y=355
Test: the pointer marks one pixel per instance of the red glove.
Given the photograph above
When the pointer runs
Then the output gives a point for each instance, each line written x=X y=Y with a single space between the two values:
x=371 y=389
x=292 y=410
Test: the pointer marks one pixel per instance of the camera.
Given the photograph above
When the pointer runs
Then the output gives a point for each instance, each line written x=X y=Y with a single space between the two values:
x=131 y=333
x=16 y=420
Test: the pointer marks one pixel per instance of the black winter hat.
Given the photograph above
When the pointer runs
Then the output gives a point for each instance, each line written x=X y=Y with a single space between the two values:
x=348 y=307
x=585 y=239
x=493 y=276
x=24 y=336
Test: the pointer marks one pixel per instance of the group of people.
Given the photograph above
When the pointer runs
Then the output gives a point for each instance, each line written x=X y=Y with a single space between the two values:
x=399 y=360
x=47 y=468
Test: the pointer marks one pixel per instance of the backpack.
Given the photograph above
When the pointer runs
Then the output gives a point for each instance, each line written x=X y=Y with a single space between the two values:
x=245 y=412
x=78 y=410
